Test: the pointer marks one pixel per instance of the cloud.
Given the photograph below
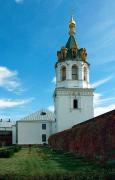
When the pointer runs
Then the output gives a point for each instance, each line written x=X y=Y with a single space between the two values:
x=101 y=104
x=54 y=80
x=98 y=100
x=97 y=97
x=102 y=81
x=51 y=108
x=102 y=109
x=19 y=1
x=11 y=103
x=9 y=79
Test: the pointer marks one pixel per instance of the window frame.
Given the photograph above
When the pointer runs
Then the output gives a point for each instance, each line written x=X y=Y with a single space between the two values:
x=74 y=72
x=44 y=138
x=43 y=126
x=75 y=104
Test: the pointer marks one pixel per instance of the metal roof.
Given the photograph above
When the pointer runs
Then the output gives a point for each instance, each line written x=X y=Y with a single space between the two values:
x=6 y=124
x=71 y=43
x=41 y=115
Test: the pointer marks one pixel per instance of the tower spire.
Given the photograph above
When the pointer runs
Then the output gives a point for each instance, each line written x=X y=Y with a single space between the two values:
x=72 y=26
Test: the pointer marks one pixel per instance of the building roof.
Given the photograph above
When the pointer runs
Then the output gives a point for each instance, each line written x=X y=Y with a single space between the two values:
x=41 y=115
x=71 y=50
x=71 y=43
x=6 y=124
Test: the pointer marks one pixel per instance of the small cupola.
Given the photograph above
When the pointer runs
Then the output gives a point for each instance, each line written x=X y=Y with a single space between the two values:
x=72 y=26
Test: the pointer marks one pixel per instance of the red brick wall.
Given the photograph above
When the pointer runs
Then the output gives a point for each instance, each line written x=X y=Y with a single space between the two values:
x=92 y=138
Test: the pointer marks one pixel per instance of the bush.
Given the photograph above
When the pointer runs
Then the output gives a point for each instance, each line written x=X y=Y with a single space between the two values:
x=9 y=151
x=17 y=148
x=5 y=152
x=110 y=164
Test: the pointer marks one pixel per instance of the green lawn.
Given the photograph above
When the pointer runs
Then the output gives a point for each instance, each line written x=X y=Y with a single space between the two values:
x=43 y=162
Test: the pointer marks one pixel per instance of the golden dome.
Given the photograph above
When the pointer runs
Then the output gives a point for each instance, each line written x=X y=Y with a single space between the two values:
x=72 y=25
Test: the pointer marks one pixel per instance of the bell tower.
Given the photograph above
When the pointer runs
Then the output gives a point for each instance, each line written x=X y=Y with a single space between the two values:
x=73 y=95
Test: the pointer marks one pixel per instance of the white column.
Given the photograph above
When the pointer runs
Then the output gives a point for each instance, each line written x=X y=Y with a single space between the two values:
x=69 y=76
x=80 y=72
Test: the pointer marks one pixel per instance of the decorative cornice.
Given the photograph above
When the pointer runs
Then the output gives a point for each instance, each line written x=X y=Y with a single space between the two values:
x=74 y=91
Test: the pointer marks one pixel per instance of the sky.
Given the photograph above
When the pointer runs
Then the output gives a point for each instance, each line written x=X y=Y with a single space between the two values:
x=31 y=33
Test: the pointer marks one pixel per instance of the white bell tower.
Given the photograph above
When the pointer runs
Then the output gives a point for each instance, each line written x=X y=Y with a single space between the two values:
x=73 y=96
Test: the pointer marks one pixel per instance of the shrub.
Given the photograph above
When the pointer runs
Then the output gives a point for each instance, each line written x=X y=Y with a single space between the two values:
x=17 y=148
x=110 y=164
x=6 y=152
x=9 y=151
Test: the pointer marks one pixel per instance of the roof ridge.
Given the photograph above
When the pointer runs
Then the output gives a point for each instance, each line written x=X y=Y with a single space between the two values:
x=39 y=116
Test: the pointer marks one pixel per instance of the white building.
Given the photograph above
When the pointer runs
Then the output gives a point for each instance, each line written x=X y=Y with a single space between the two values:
x=35 y=128
x=73 y=96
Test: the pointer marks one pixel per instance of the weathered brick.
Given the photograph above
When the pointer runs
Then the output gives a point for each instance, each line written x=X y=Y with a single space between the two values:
x=92 y=138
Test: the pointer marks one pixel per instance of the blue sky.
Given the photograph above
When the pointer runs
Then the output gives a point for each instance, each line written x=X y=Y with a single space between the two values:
x=31 y=32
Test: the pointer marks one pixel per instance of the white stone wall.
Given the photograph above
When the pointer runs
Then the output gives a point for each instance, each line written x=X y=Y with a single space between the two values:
x=67 y=90
x=14 y=134
x=30 y=132
x=66 y=116
x=69 y=83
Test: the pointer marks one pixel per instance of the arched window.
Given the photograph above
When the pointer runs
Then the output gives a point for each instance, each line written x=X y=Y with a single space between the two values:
x=74 y=72
x=85 y=74
x=75 y=104
x=63 y=73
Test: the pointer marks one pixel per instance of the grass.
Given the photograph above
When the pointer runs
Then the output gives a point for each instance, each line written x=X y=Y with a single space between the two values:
x=43 y=162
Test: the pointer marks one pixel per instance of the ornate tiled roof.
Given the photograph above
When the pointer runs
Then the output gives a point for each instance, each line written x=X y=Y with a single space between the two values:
x=71 y=50
x=71 y=43
x=41 y=115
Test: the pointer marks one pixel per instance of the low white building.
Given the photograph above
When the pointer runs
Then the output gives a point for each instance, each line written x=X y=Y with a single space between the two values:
x=35 y=128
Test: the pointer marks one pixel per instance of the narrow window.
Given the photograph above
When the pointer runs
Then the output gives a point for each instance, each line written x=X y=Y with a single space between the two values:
x=74 y=72
x=85 y=74
x=43 y=137
x=63 y=73
x=75 y=104
x=43 y=126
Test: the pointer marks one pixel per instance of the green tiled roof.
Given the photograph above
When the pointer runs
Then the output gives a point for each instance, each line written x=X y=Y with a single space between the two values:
x=71 y=51
x=71 y=43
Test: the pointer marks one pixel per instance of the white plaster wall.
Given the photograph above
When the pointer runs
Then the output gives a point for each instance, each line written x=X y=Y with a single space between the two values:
x=5 y=128
x=73 y=84
x=53 y=127
x=66 y=116
x=69 y=83
x=30 y=132
x=14 y=134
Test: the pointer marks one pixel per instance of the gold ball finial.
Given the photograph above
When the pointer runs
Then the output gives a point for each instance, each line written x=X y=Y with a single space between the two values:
x=72 y=25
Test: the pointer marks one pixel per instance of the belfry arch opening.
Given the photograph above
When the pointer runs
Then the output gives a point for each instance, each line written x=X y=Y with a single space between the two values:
x=85 y=74
x=74 y=72
x=63 y=73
